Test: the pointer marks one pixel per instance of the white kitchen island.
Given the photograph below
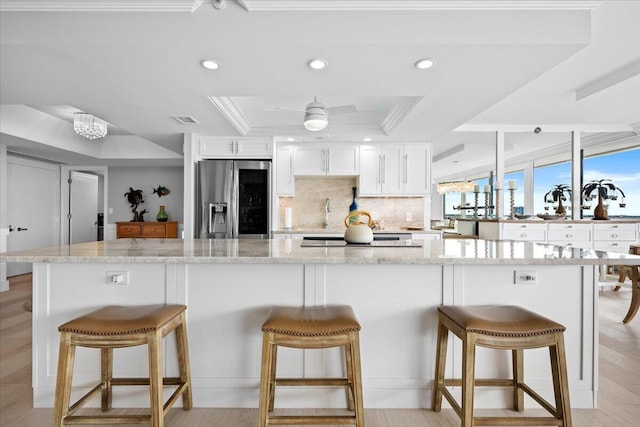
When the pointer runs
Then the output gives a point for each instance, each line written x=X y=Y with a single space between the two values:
x=228 y=286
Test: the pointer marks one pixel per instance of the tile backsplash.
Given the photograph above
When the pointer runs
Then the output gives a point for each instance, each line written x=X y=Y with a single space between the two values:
x=308 y=204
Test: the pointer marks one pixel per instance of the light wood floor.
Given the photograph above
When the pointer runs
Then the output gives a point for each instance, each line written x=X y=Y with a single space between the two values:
x=619 y=397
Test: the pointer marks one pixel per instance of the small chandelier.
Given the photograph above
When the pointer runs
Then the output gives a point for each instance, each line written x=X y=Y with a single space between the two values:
x=89 y=126
x=455 y=187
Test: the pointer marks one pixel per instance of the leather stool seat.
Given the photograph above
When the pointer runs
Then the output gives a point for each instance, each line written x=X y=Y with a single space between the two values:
x=117 y=327
x=501 y=327
x=311 y=328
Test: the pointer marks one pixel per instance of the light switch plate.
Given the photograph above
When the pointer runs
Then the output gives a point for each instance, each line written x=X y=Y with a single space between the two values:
x=117 y=277
x=525 y=277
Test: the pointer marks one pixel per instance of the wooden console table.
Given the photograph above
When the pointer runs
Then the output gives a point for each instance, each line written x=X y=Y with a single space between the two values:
x=158 y=230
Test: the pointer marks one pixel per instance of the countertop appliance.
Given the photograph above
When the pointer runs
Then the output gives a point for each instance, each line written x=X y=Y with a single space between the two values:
x=233 y=199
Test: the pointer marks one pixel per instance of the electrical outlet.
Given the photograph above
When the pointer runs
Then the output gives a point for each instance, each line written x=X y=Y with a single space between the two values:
x=117 y=277
x=525 y=277
x=110 y=211
x=408 y=216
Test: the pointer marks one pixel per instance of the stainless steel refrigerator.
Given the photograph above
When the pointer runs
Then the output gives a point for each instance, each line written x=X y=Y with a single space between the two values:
x=233 y=199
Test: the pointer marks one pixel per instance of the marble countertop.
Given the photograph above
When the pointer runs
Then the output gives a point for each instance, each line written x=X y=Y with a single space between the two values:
x=341 y=231
x=288 y=251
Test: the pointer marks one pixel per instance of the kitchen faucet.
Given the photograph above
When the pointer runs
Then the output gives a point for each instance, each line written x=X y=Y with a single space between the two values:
x=327 y=209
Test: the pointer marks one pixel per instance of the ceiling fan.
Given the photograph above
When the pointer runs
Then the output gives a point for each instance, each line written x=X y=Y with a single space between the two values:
x=316 y=115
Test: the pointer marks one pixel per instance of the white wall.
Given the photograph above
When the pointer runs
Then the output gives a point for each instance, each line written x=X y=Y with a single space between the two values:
x=145 y=179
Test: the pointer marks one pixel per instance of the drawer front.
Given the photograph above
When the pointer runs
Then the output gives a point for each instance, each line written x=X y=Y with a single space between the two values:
x=570 y=235
x=525 y=234
x=556 y=227
x=571 y=244
x=615 y=227
x=614 y=235
x=612 y=246
x=126 y=231
x=528 y=232
x=153 y=231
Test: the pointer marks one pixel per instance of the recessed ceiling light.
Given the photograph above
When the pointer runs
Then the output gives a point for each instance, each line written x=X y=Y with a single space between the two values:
x=366 y=139
x=290 y=139
x=425 y=63
x=317 y=64
x=210 y=64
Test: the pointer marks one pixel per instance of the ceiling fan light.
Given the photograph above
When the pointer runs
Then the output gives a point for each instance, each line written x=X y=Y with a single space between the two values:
x=314 y=123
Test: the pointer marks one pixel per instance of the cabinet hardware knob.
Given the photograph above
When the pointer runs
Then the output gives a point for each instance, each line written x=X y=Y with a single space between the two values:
x=523 y=235
x=569 y=235
x=614 y=235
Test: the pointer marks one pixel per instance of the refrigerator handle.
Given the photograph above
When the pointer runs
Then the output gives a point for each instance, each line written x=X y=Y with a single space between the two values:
x=235 y=202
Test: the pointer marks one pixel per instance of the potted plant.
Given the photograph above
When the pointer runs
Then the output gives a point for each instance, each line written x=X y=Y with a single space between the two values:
x=558 y=194
x=606 y=190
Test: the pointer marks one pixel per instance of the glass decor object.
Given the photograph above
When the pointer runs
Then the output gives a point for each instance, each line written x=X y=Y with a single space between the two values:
x=353 y=208
x=89 y=126
x=162 y=215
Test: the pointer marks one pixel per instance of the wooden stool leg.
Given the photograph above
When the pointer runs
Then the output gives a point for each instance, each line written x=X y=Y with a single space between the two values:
x=635 y=294
x=183 y=361
x=560 y=382
x=354 y=348
x=156 y=378
x=468 y=378
x=441 y=359
x=348 y=363
x=518 y=378
x=66 y=358
x=265 y=377
x=272 y=378
x=106 y=372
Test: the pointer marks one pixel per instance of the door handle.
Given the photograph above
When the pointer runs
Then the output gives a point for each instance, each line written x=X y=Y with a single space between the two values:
x=22 y=229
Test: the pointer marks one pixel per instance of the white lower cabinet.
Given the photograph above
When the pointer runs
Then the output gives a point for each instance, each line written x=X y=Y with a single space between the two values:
x=575 y=235
x=606 y=236
x=614 y=237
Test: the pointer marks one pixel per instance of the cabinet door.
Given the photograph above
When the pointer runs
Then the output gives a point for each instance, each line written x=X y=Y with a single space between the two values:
x=343 y=159
x=254 y=148
x=284 y=171
x=417 y=169
x=310 y=160
x=369 y=183
x=392 y=169
x=216 y=147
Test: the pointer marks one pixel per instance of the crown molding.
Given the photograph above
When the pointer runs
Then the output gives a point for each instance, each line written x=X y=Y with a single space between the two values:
x=398 y=113
x=232 y=113
x=403 y=5
x=100 y=6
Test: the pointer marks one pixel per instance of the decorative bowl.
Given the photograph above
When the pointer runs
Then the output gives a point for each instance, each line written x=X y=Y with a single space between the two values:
x=551 y=217
x=523 y=216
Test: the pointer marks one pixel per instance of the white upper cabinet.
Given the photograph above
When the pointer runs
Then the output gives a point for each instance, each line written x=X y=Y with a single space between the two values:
x=250 y=148
x=285 y=183
x=327 y=159
x=417 y=169
x=395 y=169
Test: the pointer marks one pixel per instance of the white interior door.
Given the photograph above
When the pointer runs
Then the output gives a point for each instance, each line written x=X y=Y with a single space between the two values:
x=33 y=191
x=83 y=207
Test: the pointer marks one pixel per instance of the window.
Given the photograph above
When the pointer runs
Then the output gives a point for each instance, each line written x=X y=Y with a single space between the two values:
x=623 y=169
x=518 y=178
x=544 y=179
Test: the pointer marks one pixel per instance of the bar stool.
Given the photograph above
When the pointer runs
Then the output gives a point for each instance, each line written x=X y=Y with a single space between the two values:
x=633 y=271
x=117 y=327
x=508 y=328
x=311 y=328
